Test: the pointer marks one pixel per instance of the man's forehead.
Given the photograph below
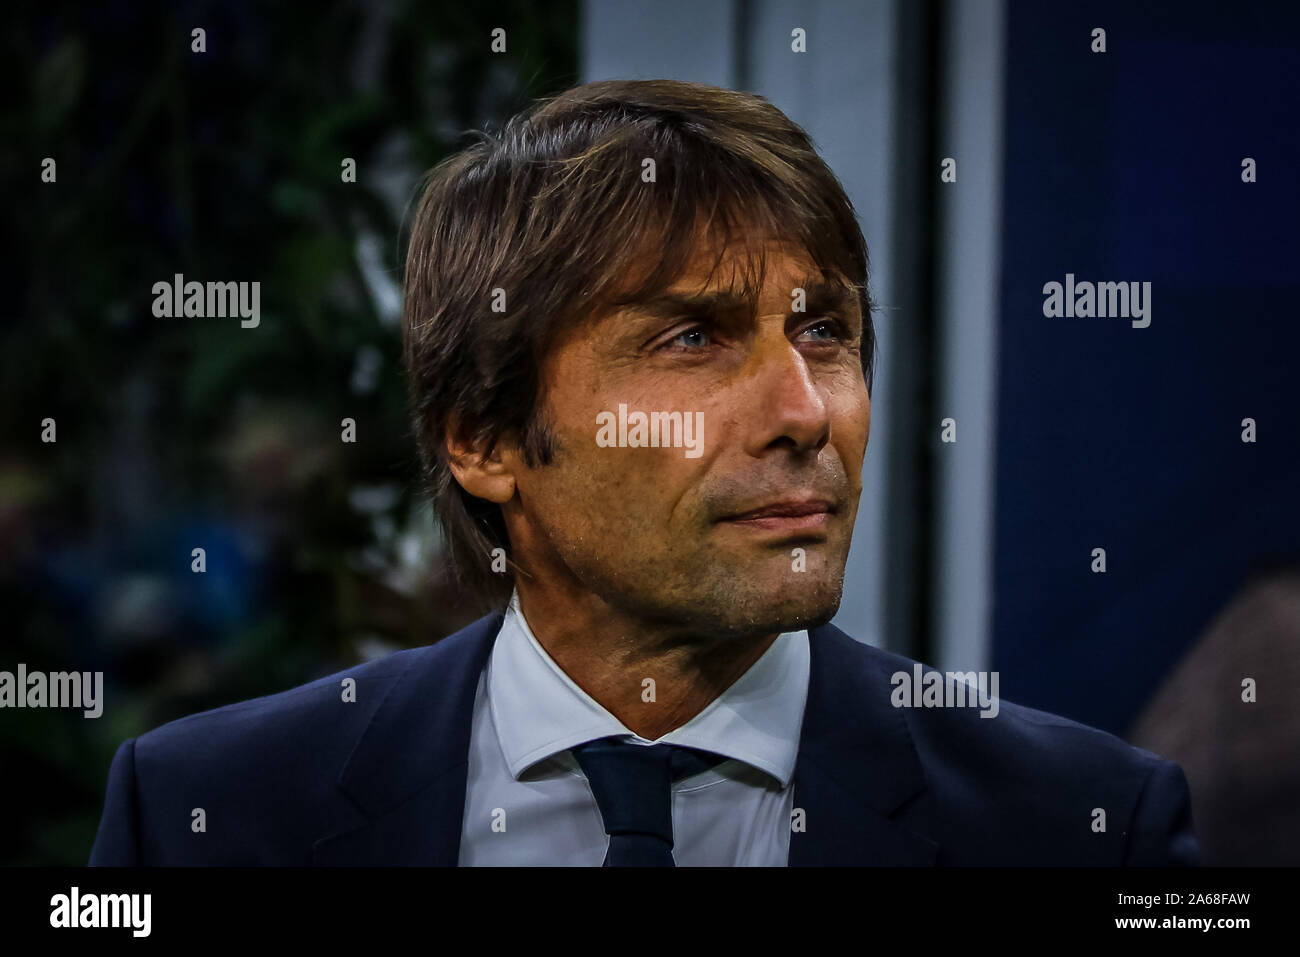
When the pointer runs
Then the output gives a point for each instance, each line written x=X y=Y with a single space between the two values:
x=742 y=264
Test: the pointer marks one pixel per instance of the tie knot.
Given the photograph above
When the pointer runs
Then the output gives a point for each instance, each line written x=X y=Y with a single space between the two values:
x=631 y=784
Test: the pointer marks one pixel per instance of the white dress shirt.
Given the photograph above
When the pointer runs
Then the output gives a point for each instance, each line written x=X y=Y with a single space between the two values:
x=527 y=801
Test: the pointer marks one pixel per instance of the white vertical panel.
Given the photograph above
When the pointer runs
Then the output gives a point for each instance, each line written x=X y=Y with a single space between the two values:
x=969 y=278
x=646 y=39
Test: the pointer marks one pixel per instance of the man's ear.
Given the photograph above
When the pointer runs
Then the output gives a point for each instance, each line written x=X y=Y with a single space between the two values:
x=484 y=476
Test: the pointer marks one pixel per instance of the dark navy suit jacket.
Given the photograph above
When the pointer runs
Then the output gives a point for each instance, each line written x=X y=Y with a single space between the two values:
x=303 y=777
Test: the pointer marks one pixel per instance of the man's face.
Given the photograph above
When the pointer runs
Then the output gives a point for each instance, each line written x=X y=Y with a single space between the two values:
x=783 y=416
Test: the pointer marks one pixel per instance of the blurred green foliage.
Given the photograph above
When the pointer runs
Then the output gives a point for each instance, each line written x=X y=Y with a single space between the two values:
x=176 y=433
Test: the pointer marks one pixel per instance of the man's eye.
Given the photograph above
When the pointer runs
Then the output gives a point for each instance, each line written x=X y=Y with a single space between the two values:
x=697 y=332
x=832 y=327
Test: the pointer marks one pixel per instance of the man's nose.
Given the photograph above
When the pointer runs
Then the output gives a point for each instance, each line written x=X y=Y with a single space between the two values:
x=787 y=401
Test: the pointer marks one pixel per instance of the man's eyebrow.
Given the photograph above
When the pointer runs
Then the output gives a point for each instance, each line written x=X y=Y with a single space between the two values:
x=819 y=296
x=823 y=296
x=668 y=305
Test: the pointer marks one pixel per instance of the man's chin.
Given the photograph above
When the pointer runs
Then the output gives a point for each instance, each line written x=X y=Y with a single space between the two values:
x=749 y=606
x=804 y=616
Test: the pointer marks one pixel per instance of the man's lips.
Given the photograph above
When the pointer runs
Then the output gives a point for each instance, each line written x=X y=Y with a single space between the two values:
x=787 y=516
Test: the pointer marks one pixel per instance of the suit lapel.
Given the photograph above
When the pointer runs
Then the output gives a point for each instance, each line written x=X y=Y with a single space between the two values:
x=407 y=773
x=856 y=763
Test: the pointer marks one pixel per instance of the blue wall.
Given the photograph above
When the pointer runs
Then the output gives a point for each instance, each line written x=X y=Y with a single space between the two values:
x=1126 y=166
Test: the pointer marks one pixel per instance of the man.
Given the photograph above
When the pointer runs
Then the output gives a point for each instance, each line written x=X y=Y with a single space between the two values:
x=640 y=351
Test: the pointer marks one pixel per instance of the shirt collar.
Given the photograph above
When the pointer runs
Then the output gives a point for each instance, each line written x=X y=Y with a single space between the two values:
x=539 y=711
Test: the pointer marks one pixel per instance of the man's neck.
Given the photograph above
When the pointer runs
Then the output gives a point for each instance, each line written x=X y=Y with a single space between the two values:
x=645 y=676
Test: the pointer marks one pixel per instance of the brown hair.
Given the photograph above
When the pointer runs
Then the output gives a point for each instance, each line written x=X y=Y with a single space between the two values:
x=554 y=211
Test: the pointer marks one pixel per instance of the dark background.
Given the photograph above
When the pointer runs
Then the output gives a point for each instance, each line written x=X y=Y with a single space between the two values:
x=179 y=433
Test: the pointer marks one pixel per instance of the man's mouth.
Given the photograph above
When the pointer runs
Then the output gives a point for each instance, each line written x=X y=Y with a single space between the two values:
x=788 y=515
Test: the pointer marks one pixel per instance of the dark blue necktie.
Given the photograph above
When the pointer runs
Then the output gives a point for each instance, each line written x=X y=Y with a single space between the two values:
x=632 y=785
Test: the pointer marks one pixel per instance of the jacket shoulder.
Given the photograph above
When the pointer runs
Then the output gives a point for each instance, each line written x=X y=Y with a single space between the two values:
x=1000 y=731
x=1006 y=783
x=317 y=710
x=256 y=781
